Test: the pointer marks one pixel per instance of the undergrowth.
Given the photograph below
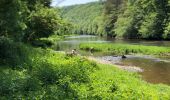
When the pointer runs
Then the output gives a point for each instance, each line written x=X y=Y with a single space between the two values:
x=47 y=75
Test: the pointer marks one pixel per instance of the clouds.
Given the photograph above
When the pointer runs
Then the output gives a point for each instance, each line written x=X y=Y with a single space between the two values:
x=69 y=2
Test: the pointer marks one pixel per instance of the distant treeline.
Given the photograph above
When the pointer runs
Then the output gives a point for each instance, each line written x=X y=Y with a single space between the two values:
x=130 y=19
x=86 y=18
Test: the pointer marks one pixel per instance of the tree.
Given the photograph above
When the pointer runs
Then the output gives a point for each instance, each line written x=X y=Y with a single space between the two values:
x=111 y=11
x=143 y=19
x=42 y=22
x=128 y=22
x=32 y=3
x=87 y=18
x=166 y=34
x=11 y=22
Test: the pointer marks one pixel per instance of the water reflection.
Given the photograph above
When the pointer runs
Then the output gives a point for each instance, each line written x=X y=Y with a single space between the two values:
x=155 y=70
x=73 y=42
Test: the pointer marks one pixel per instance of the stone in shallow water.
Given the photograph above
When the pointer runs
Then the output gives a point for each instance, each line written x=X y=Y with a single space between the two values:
x=123 y=57
x=117 y=61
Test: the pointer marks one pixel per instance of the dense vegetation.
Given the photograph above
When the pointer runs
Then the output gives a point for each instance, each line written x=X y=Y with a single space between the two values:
x=32 y=73
x=132 y=19
x=45 y=74
x=124 y=49
x=28 y=21
x=29 y=73
x=86 y=18
x=144 y=19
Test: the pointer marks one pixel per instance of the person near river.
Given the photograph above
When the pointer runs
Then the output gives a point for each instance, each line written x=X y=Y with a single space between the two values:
x=74 y=52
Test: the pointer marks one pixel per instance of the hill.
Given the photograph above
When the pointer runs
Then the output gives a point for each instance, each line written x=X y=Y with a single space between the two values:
x=87 y=18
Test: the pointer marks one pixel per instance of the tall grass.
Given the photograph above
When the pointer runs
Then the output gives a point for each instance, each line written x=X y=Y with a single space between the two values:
x=110 y=83
x=48 y=75
x=42 y=74
x=126 y=49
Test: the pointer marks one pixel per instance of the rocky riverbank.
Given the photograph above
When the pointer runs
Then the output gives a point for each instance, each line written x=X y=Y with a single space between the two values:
x=113 y=61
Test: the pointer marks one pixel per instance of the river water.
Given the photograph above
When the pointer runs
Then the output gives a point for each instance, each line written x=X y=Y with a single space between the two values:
x=156 y=70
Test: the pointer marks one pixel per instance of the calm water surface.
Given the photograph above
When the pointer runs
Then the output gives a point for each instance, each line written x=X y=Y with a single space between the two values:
x=156 y=70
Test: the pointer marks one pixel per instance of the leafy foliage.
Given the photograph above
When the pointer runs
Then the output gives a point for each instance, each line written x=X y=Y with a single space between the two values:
x=42 y=23
x=86 y=18
x=143 y=19
x=111 y=10
x=11 y=23
x=23 y=20
x=166 y=34
x=12 y=53
x=47 y=75
x=35 y=73
x=129 y=19
x=52 y=75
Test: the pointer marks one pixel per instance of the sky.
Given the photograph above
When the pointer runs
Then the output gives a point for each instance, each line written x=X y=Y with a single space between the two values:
x=70 y=2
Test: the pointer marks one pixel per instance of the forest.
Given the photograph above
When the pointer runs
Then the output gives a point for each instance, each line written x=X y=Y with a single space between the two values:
x=31 y=68
x=85 y=18
x=128 y=19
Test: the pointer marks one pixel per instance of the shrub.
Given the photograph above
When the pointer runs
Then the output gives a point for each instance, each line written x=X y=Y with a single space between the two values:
x=14 y=54
x=15 y=84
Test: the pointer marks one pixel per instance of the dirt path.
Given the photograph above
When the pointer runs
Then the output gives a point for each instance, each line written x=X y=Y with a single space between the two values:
x=127 y=68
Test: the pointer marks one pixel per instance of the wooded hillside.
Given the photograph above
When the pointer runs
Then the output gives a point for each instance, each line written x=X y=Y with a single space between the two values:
x=134 y=19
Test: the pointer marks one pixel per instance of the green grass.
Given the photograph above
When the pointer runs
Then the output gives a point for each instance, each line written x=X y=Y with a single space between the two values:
x=110 y=83
x=47 y=75
x=53 y=38
x=43 y=74
x=126 y=49
x=50 y=41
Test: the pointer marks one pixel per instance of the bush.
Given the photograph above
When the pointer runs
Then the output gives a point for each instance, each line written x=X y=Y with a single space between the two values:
x=15 y=84
x=42 y=22
x=14 y=54
x=166 y=34
x=55 y=76
x=77 y=69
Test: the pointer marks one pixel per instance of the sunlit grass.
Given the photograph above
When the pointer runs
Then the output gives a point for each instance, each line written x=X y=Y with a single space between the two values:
x=126 y=49
x=45 y=74
x=112 y=83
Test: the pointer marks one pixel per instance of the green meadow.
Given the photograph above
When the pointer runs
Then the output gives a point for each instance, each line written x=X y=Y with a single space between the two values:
x=124 y=49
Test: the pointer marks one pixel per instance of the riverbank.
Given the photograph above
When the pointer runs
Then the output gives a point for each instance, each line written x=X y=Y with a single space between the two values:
x=114 y=83
x=125 y=49
x=50 y=41
x=120 y=66
x=156 y=68
x=44 y=74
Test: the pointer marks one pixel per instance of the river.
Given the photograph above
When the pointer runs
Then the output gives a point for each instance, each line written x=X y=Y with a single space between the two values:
x=156 y=70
